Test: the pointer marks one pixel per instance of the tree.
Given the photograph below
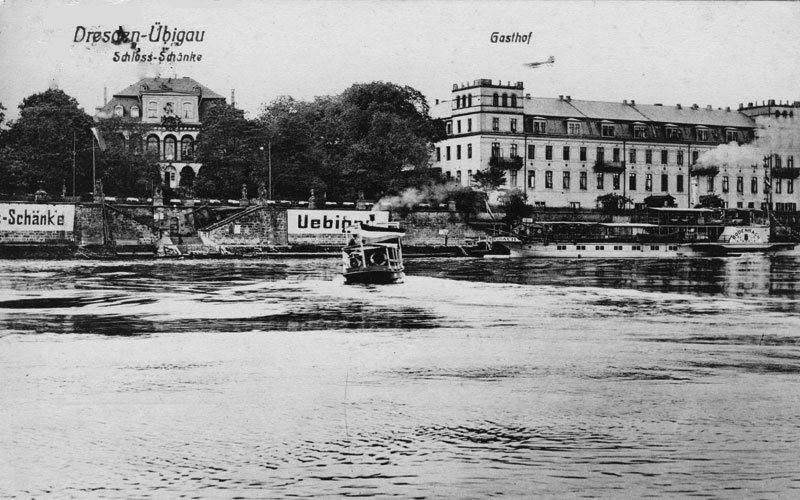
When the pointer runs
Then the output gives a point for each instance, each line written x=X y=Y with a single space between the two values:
x=38 y=147
x=515 y=204
x=124 y=167
x=228 y=146
x=489 y=179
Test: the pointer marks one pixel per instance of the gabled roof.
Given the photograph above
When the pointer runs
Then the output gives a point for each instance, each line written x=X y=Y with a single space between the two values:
x=183 y=85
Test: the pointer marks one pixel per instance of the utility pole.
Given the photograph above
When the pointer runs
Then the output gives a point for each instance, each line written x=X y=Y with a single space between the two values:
x=269 y=161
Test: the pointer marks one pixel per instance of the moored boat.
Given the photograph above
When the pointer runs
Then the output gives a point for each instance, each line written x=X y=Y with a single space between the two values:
x=373 y=254
x=658 y=233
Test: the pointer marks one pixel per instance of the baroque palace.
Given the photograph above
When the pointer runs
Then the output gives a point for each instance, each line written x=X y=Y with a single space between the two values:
x=164 y=116
x=564 y=152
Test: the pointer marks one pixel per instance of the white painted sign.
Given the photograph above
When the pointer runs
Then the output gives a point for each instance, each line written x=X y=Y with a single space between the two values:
x=329 y=221
x=36 y=217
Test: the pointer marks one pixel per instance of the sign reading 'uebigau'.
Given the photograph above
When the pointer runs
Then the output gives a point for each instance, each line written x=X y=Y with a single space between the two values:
x=26 y=217
x=329 y=221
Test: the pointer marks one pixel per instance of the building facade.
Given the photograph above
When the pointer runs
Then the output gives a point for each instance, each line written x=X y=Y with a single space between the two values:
x=564 y=152
x=164 y=117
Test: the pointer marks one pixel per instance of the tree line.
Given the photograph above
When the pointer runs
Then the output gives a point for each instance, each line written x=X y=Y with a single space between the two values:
x=372 y=139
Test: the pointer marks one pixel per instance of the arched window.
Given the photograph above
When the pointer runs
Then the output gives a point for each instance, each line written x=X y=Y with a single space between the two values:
x=495 y=100
x=469 y=100
x=170 y=147
x=187 y=110
x=187 y=148
x=505 y=100
x=134 y=111
x=152 y=145
x=135 y=144
x=513 y=100
x=119 y=110
x=458 y=101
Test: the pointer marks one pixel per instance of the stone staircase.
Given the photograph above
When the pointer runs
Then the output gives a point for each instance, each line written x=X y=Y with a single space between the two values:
x=193 y=245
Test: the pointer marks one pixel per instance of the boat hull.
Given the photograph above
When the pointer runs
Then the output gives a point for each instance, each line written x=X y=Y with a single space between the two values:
x=599 y=250
x=376 y=276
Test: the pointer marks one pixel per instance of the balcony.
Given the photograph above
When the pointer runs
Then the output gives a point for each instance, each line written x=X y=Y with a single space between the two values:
x=612 y=167
x=709 y=171
x=785 y=173
x=511 y=163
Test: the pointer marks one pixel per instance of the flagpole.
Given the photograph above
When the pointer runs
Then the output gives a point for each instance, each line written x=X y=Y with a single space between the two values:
x=94 y=182
x=73 y=163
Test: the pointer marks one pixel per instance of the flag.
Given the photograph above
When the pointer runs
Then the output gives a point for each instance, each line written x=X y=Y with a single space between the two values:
x=100 y=141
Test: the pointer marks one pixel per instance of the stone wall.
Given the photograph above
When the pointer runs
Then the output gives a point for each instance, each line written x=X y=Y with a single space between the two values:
x=125 y=229
x=257 y=226
x=425 y=228
x=89 y=224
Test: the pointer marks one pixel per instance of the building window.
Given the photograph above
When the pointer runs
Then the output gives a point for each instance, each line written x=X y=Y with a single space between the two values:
x=135 y=144
x=740 y=184
x=566 y=153
x=152 y=145
x=582 y=181
x=583 y=153
x=725 y=184
x=170 y=145
x=531 y=151
x=664 y=183
x=469 y=100
x=187 y=148
x=458 y=126
x=447 y=152
x=648 y=156
x=778 y=161
x=616 y=155
x=778 y=186
x=531 y=180
x=458 y=152
x=513 y=101
x=513 y=125
x=495 y=100
x=469 y=150
x=449 y=128
x=790 y=186
x=513 y=151
x=495 y=150
x=574 y=128
x=632 y=156
x=119 y=110
x=187 y=110
x=449 y=174
x=134 y=111
x=695 y=155
x=505 y=100
x=679 y=158
x=152 y=109
x=600 y=178
x=566 y=180
x=754 y=185
x=615 y=181
x=702 y=134
x=495 y=124
x=766 y=185
x=664 y=156
x=731 y=136
x=674 y=133
x=458 y=101
x=639 y=132
x=710 y=184
x=548 y=179
x=469 y=177
x=513 y=178
x=438 y=154
x=601 y=154
x=458 y=176
x=548 y=152
x=632 y=181
x=607 y=130
x=648 y=182
x=469 y=124
x=539 y=127
x=679 y=183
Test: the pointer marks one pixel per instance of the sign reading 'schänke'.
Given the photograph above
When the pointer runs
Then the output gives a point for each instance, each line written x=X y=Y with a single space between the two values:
x=329 y=221
x=36 y=217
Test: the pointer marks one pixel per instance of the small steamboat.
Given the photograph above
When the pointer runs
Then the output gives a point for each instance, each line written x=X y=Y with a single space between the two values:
x=373 y=254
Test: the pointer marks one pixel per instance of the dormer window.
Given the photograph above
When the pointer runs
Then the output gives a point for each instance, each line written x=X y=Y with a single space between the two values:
x=118 y=110
x=134 y=111
x=607 y=130
x=702 y=134
x=731 y=135
x=640 y=132
x=673 y=133
x=573 y=127
x=539 y=127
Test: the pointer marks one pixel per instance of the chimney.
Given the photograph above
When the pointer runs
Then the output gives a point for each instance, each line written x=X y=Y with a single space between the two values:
x=708 y=107
x=527 y=96
x=625 y=102
x=679 y=106
x=772 y=102
x=728 y=109
x=569 y=98
x=749 y=104
x=633 y=103
x=233 y=98
x=437 y=101
x=560 y=97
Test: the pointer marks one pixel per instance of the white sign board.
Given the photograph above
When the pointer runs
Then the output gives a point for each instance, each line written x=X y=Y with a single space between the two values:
x=38 y=217
x=329 y=221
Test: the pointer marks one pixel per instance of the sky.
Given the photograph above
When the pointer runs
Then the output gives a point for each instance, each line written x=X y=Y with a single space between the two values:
x=718 y=53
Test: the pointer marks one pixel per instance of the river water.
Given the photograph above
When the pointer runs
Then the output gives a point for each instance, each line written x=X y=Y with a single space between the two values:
x=473 y=379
